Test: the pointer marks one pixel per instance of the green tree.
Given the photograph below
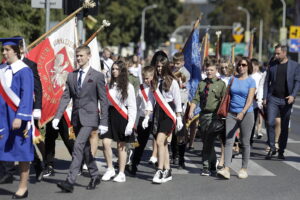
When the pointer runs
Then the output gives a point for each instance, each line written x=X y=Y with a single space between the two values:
x=125 y=18
x=18 y=18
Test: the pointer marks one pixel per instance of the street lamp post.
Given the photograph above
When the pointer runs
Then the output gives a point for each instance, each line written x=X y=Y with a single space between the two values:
x=283 y=29
x=143 y=46
x=283 y=12
x=247 y=33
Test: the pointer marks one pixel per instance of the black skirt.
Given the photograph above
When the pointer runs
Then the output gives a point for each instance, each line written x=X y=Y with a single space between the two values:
x=116 y=127
x=163 y=122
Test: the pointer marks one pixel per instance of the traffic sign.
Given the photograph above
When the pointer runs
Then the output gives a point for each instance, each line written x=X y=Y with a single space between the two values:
x=294 y=45
x=237 y=32
x=240 y=49
x=238 y=38
x=57 y=4
x=294 y=32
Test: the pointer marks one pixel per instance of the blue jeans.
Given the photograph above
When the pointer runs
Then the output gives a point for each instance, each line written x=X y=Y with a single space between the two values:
x=274 y=106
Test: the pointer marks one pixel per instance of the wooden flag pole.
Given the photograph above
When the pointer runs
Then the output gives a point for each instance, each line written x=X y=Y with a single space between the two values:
x=250 y=55
x=86 y=4
x=105 y=23
x=196 y=24
x=232 y=54
x=218 y=33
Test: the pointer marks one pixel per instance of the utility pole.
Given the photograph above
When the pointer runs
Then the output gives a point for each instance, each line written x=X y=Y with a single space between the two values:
x=47 y=8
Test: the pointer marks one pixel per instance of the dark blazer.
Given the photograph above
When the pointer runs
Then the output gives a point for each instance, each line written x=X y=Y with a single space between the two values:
x=38 y=91
x=293 y=79
x=85 y=102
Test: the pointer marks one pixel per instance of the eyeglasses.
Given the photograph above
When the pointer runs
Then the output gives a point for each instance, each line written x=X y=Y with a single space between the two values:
x=242 y=64
x=224 y=67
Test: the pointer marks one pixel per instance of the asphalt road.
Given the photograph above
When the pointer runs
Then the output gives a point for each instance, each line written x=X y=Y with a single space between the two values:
x=268 y=180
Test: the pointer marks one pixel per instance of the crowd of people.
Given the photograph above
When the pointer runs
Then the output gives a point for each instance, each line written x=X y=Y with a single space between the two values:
x=127 y=101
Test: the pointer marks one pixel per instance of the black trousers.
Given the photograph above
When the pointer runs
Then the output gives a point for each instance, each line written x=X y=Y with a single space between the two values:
x=50 y=137
x=143 y=136
x=255 y=110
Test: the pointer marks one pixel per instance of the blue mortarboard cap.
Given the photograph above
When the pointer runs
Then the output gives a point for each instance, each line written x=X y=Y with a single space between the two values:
x=11 y=41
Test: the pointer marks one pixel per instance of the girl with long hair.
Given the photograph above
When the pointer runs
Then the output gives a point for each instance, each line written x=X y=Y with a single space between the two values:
x=168 y=101
x=122 y=113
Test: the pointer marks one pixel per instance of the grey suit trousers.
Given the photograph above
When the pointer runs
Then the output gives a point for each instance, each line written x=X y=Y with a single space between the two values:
x=82 y=150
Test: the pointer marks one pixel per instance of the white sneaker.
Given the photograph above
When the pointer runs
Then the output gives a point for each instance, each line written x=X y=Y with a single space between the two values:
x=84 y=167
x=110 y=172
x=153 y=160
x=120 y=178
x=158 y=177
x=243 y=174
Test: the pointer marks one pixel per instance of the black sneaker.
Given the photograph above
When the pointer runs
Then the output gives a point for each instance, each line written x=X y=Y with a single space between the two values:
x=49 y=171
x=158 y=177
x=281 y=156
x=167 y=175
x=205 y=172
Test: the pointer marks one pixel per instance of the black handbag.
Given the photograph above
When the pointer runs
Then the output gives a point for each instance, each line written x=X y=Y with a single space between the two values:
x=217 y=125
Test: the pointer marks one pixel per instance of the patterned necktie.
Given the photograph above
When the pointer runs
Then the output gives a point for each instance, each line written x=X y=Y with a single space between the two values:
x=79 y=79
x=206 y=90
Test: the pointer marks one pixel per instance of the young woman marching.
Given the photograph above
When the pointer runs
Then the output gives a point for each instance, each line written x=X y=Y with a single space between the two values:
x=122 y=114
x=167 y=95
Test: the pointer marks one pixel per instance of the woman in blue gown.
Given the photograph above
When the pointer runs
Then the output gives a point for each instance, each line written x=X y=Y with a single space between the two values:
x=15 y=128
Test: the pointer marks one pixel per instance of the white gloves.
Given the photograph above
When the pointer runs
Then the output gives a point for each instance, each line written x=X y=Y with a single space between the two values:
x=145 y=122
x=37 y=114
x=55 y=123
x=103 y=129
x=179 y=123
x=260 y=105
x=128 y=130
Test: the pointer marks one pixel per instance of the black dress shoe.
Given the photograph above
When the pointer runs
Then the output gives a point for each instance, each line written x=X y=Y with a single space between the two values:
x=25 y=195
x=38 y=172
x=132 y=169
x=93 y=183
x=65 y=186
x=7 y=178
x=281 y=156
x=270 y=155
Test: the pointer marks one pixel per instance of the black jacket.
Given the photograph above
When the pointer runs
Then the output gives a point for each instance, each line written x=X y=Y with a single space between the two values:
x=38 y=91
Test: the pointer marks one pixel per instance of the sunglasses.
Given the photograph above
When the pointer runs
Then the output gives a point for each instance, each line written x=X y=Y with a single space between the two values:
x=242 y=64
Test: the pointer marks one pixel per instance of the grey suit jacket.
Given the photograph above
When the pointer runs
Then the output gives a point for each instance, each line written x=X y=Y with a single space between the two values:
x=293 y=79
x=85 y=102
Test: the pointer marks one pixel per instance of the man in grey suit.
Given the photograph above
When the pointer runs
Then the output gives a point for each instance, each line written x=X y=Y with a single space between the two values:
x=281 y=86
x=85 y=86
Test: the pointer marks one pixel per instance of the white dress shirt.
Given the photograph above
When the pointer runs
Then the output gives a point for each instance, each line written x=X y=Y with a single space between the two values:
x=15 y=67
x=130 y=102
x=85 y=71
x=173 y=95
x=142 y=104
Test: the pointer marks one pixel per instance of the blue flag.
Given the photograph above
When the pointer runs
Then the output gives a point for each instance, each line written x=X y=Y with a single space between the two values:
x=192 y=59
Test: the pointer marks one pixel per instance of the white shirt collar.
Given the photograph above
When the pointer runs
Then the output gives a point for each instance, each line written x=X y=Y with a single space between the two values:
x=86 y=69
x=17 y=66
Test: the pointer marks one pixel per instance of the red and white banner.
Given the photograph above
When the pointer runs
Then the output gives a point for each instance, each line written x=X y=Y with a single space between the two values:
x=146 y=98
x=122 y=110
x=55 y=59
x=165 y=105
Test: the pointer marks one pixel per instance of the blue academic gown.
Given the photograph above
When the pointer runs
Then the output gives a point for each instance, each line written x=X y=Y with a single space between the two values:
x=14 y=146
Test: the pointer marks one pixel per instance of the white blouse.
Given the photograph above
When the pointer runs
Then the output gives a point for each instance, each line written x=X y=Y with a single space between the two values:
x=173 y=95
x=130 y=102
